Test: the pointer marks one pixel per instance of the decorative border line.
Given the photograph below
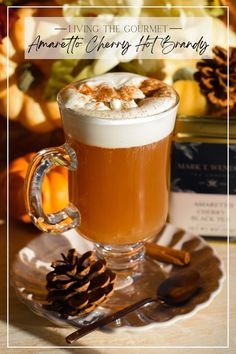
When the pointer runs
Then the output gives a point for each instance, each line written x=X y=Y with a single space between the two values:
x=228 y=221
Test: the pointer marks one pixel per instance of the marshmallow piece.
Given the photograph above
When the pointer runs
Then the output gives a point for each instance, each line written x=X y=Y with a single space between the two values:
x=115 y=104
x=138 y=94
x=74 y=99
x=134 y=81
x=94 y=105
x=102 y=107
x=129 y=104
x=93 y=84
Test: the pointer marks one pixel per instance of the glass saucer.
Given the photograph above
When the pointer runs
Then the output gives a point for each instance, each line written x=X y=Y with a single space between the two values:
x=33 y=263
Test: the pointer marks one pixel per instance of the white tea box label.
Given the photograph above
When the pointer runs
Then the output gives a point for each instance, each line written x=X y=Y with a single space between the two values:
x=198 y=198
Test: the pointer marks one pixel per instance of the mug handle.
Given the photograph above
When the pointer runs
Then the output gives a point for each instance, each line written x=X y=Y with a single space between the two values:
x=44 y=160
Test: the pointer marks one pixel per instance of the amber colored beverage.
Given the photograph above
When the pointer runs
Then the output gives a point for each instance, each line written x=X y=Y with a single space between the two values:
x=121 y=193
x=117 y=128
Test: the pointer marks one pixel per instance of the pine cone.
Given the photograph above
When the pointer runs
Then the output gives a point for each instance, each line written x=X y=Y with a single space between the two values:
x=77 y=285
x=212 y=77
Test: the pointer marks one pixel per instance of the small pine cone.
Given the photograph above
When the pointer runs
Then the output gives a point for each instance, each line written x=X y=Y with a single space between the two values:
x=78 y=284
x=212 y=77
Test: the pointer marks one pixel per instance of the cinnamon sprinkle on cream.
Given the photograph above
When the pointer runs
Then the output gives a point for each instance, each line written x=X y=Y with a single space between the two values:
x=106 y=93
x=119 y=95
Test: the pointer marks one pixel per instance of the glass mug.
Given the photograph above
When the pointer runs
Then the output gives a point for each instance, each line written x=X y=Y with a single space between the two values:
x=118 y=180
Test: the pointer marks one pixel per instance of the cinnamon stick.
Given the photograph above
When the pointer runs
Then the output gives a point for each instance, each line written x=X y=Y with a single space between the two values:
x=167 y=254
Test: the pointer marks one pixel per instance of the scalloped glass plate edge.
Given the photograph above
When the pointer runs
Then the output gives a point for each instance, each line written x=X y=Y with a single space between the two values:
x=74 y=240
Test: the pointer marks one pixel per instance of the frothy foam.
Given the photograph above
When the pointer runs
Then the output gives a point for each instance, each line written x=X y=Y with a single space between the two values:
x=118 y=96
x=103 y=111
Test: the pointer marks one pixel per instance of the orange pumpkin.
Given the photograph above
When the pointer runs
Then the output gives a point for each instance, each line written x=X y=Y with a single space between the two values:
x=54 y=191
x=26 y=103
x=192 y=101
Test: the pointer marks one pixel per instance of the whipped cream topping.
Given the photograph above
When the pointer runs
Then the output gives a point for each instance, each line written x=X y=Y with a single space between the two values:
x=102 y=111
x=118 y=96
